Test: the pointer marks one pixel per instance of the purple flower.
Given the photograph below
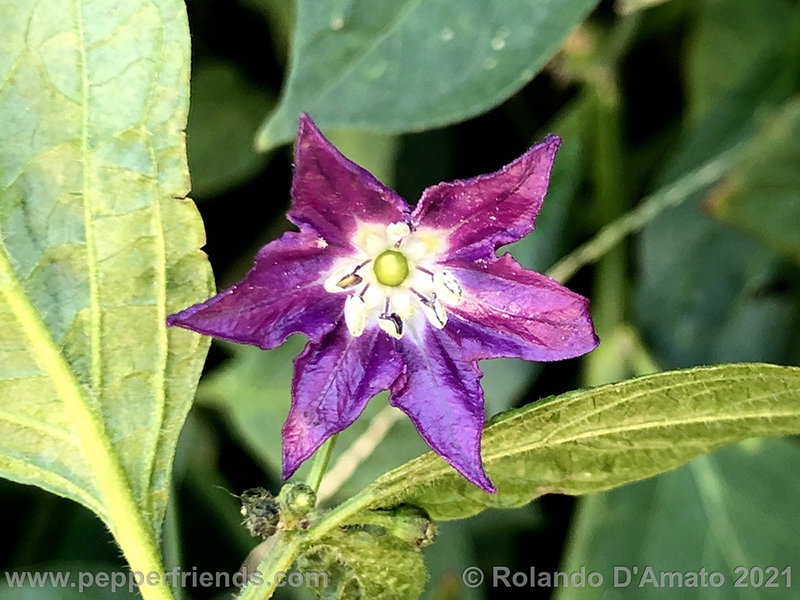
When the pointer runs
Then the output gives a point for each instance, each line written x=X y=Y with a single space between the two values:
x=391 y=297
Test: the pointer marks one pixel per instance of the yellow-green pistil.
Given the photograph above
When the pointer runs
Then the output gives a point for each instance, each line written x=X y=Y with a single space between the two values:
x=391 y=268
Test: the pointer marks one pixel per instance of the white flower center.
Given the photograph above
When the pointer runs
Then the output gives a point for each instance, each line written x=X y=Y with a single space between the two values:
x=392 y=278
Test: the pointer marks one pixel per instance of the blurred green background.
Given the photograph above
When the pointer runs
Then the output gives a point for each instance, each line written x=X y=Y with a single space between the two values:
x=686 y=113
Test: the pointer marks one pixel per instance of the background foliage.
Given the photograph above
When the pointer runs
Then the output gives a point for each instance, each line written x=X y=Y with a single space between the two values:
x=680 y=125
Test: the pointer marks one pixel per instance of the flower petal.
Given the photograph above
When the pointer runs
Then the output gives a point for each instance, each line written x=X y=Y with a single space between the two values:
x=332 y=194
x=333 y=381
x=440 y=392
x=480 y=214
x=507 y=310
x=282 y=294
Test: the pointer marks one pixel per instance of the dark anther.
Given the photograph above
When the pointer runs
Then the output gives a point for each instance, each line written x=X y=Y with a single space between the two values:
x=395 y=320
x=349 y=280
x=424 y=299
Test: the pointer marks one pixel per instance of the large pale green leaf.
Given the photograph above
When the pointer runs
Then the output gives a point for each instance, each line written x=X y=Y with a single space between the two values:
x=597 y=439
x=736 y=508
x=412 y=64
x=761 y=195
x=98 y=244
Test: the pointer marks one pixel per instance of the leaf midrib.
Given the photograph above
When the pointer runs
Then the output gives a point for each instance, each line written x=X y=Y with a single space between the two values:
x=162 y=341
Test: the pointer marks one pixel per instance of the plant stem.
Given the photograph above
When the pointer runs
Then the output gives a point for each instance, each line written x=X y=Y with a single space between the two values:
x=320 y=463
x=610 y=193
x=649 y=208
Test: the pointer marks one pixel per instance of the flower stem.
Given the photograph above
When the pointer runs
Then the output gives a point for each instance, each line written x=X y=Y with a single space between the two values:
x=357 y=452
x=321 y=458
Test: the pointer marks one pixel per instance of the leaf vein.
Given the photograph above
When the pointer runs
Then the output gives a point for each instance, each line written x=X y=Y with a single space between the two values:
x=38 y=425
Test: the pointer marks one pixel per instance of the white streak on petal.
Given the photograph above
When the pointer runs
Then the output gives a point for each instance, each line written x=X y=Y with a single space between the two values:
x=355 y=314
x=414 y=249
x=374 y=296
x=374 y=244
x=402 y=302
x=424 y=245
x=370 y=236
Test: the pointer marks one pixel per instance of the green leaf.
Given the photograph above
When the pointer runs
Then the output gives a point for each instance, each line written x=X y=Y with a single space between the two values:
x=729 y=40
x=408 y=65
x=737 y=507
x=761 y=195
x=597 y=439
x=97 y=246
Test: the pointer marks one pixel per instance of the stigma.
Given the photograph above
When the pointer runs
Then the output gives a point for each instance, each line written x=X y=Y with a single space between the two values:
x=393 y=278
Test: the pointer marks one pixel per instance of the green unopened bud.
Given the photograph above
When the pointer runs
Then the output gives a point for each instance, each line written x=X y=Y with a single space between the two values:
x=391 y=268
x=300 y=499
x=297 y=502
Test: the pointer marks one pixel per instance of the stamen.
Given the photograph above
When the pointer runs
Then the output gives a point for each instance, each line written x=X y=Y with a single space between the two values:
x=433 y=309
x=355 y=314
x=349 y=280
x=447 y=287
x=392 y=324
x=342 y=279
